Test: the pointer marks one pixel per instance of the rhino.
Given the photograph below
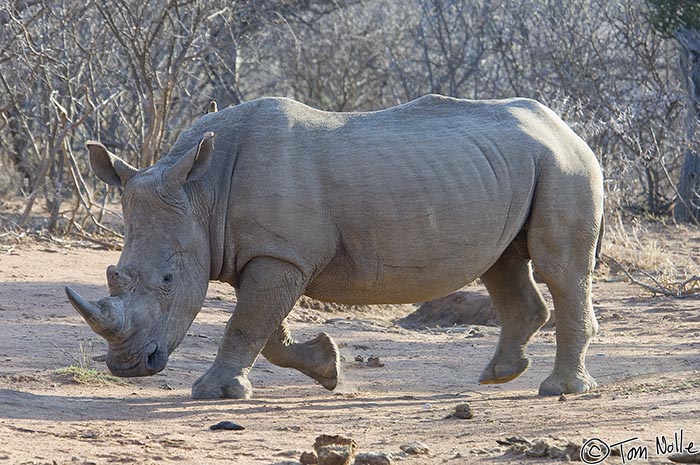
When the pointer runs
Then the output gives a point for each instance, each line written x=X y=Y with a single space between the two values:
x=400 y=205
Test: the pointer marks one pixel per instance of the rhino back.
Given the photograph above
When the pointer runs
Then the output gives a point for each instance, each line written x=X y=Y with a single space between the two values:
x=399 y=205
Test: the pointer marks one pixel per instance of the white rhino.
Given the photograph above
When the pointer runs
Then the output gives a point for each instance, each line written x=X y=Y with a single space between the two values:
x=401 y=205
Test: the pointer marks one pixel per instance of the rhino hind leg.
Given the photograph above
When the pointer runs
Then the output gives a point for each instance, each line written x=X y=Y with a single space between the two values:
x=318 y=358
x=266 y=294
x=562 y=241
x=575 y=328
x=522 y=312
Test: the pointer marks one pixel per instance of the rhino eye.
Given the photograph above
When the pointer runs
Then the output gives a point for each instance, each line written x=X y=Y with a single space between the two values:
x=167 y=278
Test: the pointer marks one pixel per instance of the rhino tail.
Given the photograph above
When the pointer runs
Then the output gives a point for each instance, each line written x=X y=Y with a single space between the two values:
x=599 y=242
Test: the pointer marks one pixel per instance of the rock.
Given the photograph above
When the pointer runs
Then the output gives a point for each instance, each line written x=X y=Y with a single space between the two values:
x=685 y=458
x=374 y=458
x=326 y=440
x=374 y=362
x=334 y=455
x=227 y=425
x=463 y=411
x=335 y=450
x=563 y=398
x=308 y=458
x=415 y=448
x=539 y=448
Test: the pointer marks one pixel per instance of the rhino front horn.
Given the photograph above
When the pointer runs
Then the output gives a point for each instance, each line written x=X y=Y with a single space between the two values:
x=104 y=319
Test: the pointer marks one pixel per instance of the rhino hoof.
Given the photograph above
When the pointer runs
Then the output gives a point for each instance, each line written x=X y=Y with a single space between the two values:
x=235 y=388
x=326 y=370
x=557 y=384
x=496 y=373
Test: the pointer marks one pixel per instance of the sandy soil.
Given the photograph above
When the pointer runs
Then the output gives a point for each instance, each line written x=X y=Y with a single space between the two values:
x=646 y=359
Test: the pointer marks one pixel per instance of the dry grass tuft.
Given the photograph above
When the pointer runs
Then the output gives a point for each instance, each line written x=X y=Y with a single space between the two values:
x=654 y=256
x=91 y=376
x=81 y=370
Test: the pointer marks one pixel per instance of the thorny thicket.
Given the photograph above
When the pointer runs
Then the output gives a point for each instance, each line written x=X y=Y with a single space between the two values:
x=134 y=74
x=131 y=74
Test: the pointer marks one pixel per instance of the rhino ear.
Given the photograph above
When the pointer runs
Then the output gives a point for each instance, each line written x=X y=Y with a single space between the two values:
x=192 y=165
x=109 y=167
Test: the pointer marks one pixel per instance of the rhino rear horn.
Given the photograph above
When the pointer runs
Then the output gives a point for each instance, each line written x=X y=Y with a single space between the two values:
x=106 y=321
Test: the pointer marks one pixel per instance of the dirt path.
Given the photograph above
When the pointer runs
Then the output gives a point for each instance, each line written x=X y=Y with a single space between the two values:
x=646 y=358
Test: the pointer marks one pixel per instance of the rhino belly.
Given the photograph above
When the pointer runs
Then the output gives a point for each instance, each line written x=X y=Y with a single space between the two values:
x=414 y=259
x=390 y=284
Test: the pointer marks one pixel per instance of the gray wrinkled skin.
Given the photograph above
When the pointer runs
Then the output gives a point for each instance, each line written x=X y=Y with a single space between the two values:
x=401 y=205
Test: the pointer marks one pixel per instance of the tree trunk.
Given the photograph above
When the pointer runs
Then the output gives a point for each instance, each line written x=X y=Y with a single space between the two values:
x=687 y=208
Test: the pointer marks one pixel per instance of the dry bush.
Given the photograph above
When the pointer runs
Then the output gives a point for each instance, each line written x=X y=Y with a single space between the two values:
x=651 y=255
x=131 y=74
x=629 y=245
x=597 y=63
x=134 y=74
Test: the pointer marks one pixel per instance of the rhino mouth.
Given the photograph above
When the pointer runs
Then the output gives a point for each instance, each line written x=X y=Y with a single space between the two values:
x=151 y=360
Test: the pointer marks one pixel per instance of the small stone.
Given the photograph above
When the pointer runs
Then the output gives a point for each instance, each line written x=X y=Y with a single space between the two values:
x=415 y=448
x=563 y=398
x=539 y=448
x=374 y=458
x=227 y=425
x=327 y=439
x=308 y=458
x=359 y=358
x=463 y=411
x=335 y=450
x=334 y=455
x=685 y=458
x=374 y=362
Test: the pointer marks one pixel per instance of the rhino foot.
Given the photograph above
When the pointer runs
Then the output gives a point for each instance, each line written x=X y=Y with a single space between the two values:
x=576 y=383
x=499 y=371
x=212 y=385
x=325 y=365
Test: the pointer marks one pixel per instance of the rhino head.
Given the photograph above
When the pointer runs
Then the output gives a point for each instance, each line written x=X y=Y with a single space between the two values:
x=159 y=284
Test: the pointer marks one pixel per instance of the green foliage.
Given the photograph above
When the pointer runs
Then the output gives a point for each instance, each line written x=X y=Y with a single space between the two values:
x=667 y=16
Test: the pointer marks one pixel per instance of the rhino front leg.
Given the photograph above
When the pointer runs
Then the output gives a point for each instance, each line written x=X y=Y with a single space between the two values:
x=318 y=358
x=266 y=294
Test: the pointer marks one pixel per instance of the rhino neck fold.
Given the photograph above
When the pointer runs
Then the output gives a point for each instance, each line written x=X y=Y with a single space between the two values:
x=221 y=241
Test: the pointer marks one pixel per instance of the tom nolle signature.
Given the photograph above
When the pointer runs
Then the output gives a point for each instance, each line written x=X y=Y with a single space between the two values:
x=596 y=450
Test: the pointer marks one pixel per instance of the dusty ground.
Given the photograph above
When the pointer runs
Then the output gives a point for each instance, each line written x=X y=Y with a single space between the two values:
x=646 y=359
